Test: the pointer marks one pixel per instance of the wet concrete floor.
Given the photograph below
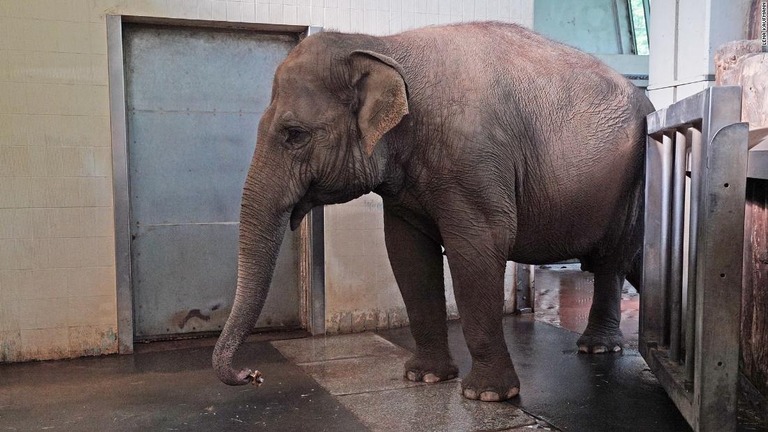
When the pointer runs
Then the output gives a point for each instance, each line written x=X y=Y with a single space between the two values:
x=573 y=391
x=364 y=371
x=173 y=390
x=350 y=383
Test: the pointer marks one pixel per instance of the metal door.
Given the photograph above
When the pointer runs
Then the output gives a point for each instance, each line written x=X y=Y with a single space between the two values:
x=194 y=98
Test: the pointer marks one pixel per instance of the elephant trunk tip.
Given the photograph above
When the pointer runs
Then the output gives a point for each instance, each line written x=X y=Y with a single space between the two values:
x=255 y=376
x=232 y=377
x=222 y=364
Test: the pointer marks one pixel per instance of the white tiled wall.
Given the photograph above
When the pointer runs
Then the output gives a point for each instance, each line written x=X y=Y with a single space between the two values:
x=57 y=281
x=57 y=272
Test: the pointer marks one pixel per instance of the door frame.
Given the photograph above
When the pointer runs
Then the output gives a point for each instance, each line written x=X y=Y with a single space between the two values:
x=311 y=268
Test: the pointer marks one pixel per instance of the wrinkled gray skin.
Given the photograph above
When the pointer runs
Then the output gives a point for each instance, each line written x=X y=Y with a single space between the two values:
x=484 y=138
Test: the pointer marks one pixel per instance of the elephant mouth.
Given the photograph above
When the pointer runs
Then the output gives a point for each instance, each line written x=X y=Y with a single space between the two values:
x=299 y=211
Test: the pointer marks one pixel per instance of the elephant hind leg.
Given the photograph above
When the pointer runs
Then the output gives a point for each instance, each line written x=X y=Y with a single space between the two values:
x=603 y=333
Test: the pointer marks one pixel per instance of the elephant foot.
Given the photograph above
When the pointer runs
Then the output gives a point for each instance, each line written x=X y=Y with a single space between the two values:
x=430 y=369
x=601 y=341
x=491 y=383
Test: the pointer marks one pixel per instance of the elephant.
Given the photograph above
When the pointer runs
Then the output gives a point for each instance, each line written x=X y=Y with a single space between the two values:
x=487 y=143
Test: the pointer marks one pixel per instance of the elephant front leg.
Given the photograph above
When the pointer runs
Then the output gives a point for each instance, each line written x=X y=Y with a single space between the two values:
x=477 y=267
x=417 y=264
x=603 y=333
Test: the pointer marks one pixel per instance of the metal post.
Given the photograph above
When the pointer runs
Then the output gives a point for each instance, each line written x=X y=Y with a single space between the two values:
x=120 y=183
x=651 y=299
x=316 y=299
x=524 y=290
x=718 y=279
x=690 y=324
x=676 y=277
x=667 y=160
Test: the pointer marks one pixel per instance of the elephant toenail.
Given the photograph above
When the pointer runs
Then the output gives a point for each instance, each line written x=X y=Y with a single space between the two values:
x=514 y=391
x=431 y=378
x=412 y=376
x=599 y=349
x=616 y=348
x=583 y=348
x=470 y=394
x=489 y=396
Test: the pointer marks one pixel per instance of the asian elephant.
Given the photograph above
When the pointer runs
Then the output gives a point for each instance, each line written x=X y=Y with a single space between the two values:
x=483 y=138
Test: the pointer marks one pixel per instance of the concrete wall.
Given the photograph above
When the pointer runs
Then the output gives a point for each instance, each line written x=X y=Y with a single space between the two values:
x=684 y=36
x=57 y=271
x=599 y=27
x=593 y=26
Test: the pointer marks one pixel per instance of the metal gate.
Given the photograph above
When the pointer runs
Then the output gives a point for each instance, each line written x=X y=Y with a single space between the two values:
x=193 y=101
x=689 y=309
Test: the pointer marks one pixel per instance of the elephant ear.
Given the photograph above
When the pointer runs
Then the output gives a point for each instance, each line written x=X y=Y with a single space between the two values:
x=382 y=95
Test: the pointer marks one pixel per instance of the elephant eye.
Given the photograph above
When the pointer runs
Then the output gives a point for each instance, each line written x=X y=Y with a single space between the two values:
x=296 y=136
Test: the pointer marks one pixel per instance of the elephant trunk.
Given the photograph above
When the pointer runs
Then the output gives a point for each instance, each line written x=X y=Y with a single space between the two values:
x=263 y=222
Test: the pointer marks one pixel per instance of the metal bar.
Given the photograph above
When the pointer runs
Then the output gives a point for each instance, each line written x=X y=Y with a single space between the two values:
x=676 y=271
x=690 y=325
x=693 y=109
x=317 y=278
x=316 y=294
x=716 y=313
x=723 y=109
x=120 y=184
x=670 y=375
x=650 y=301
x=524 y=288
x=718 y=278
x=313 y=30
x=304 y=249
x=667 y=161
x=292 y=29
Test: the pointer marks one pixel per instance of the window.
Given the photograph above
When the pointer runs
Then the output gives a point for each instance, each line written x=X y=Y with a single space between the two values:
x=638 y=12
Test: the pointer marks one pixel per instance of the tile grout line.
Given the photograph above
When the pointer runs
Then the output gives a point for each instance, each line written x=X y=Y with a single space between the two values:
x=413 y=386
x=312 y=363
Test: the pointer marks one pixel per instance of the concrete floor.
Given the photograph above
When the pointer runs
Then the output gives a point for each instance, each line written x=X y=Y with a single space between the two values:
x=349 y=383
x=340 y=383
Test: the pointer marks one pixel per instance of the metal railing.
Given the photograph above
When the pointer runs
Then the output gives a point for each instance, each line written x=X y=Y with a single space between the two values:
x=696 y=164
